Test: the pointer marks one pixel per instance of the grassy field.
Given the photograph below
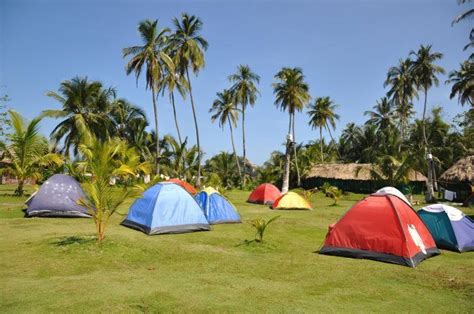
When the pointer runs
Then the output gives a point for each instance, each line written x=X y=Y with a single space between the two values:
x=54 y=265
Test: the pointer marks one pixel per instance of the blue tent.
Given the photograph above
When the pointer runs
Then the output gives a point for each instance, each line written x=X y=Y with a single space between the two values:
x=166 y=208
x=217 y=208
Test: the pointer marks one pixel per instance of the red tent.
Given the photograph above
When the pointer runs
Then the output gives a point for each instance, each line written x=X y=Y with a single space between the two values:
x=265 y=193
x=382 y=228
x=185 y=185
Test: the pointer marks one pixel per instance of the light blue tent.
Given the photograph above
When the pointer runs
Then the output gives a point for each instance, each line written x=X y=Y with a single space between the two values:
x=217 y=208
x=166 y=208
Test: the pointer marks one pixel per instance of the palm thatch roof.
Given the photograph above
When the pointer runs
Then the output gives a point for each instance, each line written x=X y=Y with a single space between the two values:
x=353 y=171
x=461 y=171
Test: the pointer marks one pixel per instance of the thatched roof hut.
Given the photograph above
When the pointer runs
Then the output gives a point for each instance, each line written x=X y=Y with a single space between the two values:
x=352 y=177
x=461 y=172
x=353 y=172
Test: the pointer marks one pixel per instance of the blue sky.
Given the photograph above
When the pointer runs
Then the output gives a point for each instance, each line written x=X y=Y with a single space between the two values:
x=344 y=48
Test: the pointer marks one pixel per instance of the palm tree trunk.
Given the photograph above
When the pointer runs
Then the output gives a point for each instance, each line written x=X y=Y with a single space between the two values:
x=321 y=141
x=175 y=118
x=19 y=189
x=243 y=146
x=155 y=112
x=298 y=178
x=332 y=139
x=198 y=179
x=430 y=191
x=286 y=174
x=233 y=148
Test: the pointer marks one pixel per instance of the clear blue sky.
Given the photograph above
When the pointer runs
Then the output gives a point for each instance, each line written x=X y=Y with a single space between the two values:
x=344 y=48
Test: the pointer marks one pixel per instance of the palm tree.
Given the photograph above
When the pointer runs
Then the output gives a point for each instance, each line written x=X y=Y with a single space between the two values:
x=153 y=57
x=425 y=73
x=245 y=93
x=402 y=91
x=225 y=111
x=463 y=83
x=466 y=15
x=322 y=115
x=292 y=94
x=28 y=151
x=124 y=116
x=382 y=115
x=189 y=46
x=85 y=105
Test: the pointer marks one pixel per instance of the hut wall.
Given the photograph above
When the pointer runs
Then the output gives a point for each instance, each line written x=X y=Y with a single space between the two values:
x=356 y=186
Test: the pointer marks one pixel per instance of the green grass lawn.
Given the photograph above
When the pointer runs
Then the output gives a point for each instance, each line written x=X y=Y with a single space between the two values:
x=54 y=265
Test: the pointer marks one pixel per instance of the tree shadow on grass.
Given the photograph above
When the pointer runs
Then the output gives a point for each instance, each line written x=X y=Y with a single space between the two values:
x=74 y=240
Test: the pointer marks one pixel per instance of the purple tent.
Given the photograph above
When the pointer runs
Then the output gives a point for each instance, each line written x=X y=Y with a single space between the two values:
x=57 y=197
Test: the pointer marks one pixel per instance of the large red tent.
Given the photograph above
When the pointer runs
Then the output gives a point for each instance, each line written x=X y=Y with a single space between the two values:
x=265 y=193
x=382 y=228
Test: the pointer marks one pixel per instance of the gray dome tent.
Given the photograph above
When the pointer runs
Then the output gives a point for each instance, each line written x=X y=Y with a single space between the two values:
x=57 y=197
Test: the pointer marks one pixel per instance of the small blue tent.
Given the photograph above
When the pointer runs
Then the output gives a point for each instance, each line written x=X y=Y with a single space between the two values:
x=218 y=209
x=166 y=208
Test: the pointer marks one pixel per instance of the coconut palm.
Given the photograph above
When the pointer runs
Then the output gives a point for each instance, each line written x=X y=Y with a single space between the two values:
x=105 y=160
x=85 y=105
x=125 y=116
x=189 y=46
x=425 y=73
x=466 y=15
x=154 y=59
x=28 y=151
x=245 y=93
x=322 y=115
x=463 y=83
x=402 y=91
x=292 y=94
x=225 y=111
x=382 y=115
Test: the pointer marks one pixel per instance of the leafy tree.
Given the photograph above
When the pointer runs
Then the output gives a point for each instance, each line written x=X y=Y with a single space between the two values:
x=245 y=93
x=463 y=83
x=322 y=115
x=223 y=164
x=153 y=58
x=189 y=46
x=4 y=120
x=225 y=111
x=292 y=94
x=28 y=151
x=85 y=105
x=125 y=117
x=425 y=73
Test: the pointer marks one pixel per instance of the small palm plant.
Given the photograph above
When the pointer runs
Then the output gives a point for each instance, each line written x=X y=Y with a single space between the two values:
x=260 y=226
x=335 y=194
x=104 y=160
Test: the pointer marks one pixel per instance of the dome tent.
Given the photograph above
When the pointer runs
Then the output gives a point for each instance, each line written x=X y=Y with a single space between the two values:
x=390 y=190
x=166 y=208
x=291 y=200
x=382 y=228
x=216 y=207
x=265 y=193
x=450 y=228
x=57 y=197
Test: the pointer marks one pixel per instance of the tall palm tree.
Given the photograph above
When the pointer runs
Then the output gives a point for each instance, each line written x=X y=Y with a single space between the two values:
x=402 y=91
x=463 y=83
x=225 y=111
x=425 y=73
x=154 y=59
x=28 y=151
x=322 y=115
x=189 y=46
x=245 y=92
x=292 y=94
x=85 y=105
x=466 y=15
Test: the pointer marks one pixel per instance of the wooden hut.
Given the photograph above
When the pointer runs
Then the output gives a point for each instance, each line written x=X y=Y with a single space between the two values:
x=459 y=178
x=353 y=177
